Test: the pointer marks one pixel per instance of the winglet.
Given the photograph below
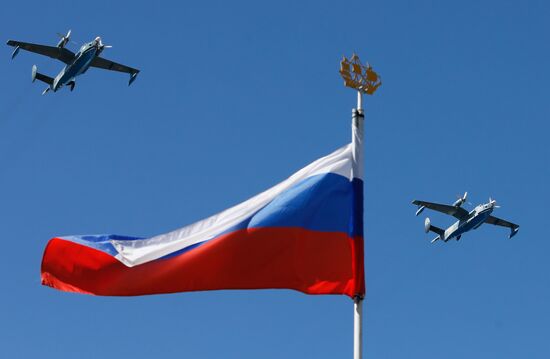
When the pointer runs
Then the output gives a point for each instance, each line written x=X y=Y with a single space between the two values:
x=514 y=232
x=133 y=77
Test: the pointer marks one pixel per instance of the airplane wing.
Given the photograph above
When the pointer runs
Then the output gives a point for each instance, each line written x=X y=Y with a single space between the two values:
x=59 y=53
x=102 y=63
x=457 y=212
x=500 y=222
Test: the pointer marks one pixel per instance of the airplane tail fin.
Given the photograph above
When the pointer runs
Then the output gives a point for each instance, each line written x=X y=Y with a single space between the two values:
x=38 y=76
x=428 y=227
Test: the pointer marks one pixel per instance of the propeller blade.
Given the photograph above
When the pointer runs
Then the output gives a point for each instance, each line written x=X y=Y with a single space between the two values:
x=107 y=46
x=64 y=36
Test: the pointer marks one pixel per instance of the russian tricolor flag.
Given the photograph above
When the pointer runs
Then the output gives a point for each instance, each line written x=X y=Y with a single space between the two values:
x=306 y=233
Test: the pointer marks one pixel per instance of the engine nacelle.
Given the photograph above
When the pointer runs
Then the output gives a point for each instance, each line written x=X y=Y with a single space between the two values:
x=61 y=44
x=64 y=39
x=459 y=202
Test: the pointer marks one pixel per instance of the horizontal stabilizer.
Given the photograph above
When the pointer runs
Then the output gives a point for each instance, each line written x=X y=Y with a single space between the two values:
x=38 y=76
x=437 y=230
x=429 y=227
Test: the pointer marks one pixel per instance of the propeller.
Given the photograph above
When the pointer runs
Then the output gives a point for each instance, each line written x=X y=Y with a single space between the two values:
x=461 y=200
x=493 y=202
x=64 y=39
x=101 y=45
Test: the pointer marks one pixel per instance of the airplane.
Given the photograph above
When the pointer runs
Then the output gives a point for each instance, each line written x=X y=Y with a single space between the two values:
x=466 y=220
x=76 y=64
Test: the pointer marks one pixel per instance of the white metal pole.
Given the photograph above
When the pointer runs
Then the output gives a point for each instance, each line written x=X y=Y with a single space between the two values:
x=357 y=140
x=357 y=328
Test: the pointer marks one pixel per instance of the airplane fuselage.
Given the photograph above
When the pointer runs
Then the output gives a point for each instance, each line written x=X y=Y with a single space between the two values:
x=475 y=219
x=82 y=60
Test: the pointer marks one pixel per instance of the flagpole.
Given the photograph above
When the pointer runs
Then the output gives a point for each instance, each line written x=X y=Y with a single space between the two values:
x=357 y=328
x=366 y=81
x=357 y=140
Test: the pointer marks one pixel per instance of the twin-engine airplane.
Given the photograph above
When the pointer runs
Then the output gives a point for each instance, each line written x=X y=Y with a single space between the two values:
x=76 y=64
x=466 y=220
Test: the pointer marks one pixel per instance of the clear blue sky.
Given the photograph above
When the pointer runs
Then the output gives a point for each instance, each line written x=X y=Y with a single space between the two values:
x=232 y=98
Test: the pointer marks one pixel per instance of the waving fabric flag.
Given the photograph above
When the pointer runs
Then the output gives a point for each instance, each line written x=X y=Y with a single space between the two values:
x=306 y=233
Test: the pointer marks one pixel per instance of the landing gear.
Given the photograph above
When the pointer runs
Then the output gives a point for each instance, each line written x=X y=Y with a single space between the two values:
x=72 y=83
x=458 y=238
